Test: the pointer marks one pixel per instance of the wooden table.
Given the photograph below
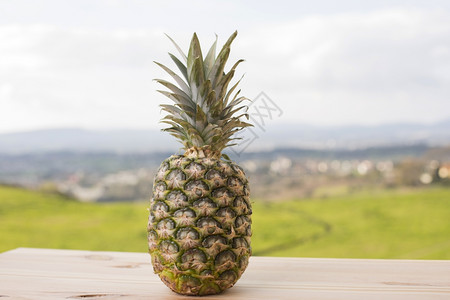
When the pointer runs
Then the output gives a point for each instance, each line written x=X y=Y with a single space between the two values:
x=70 y=274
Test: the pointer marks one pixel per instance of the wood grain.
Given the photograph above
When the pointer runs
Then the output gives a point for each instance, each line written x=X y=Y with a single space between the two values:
x=71 y=274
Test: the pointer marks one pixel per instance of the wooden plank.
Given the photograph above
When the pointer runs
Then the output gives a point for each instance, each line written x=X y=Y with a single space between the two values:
x=71 y=274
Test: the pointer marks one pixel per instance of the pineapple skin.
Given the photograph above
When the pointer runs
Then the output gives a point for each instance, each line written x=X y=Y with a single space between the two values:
x=199 y=225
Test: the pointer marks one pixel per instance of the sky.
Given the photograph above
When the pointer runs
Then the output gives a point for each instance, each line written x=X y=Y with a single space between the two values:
x=89 y=64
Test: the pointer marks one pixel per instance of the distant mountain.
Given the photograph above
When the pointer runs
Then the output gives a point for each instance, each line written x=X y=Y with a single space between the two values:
x=353 y=137
x=272 y=136
x=80 y=140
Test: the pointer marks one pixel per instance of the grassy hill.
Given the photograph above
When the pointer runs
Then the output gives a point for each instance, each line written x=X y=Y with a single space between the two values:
x=412 y=224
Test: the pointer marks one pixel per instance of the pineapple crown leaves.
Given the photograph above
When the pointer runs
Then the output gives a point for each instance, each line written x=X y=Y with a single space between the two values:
x=205 y=112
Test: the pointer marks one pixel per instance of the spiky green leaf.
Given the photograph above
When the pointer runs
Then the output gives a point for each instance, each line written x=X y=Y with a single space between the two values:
x=177 y=78
x=205 y=111
x=178 y=48
x=210 y=58
x=180 y=65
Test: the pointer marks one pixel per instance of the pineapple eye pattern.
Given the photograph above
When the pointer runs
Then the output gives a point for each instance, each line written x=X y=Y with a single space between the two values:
x=184 y=216
x=239 y=242
x=184 y=213
x=242 y=205
x=187 y=233
x=227 y=279
x=169 y=247
x=162 y=171
x=223 y=196
x=216 y=178
x=193 y=255
x=160 y=210
x=188 y=237
x=193 y=259
x=177 y=199
x=226 y=215
x=197 y=188
x=225 y=257
x=152 y=240
x=165 y=228
x=166 y=224
x=224 y=167
x=202 y=205
x=236 y=186
x=195 y=170
x=208 y=225
x=205 y=206
x=169 y=250
x=176 y=178
x=159 y=190
x=213 y=240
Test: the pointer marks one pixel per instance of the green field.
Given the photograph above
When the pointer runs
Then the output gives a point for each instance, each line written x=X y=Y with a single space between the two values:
x=412 y=224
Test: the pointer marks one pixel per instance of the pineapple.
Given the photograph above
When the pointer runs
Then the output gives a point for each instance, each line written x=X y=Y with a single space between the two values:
x=199 y=225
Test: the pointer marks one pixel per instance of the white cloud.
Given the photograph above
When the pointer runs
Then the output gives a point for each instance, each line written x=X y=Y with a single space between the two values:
x=82 y=78
x=355 y=68
x=375 y=67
